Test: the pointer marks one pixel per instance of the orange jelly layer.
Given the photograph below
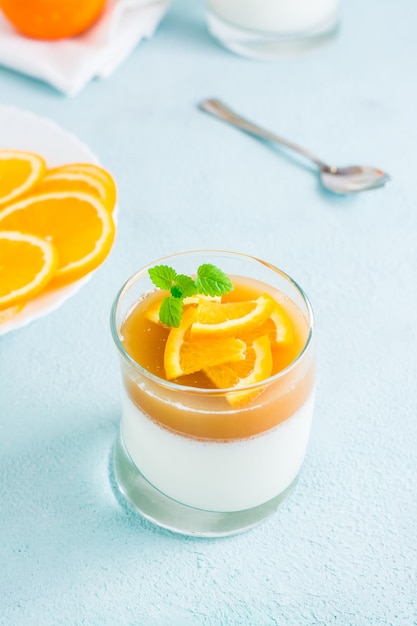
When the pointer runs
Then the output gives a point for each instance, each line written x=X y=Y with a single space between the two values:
x=207 y=414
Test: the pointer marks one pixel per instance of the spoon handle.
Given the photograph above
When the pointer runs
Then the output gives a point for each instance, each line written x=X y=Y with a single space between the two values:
x=220 y=110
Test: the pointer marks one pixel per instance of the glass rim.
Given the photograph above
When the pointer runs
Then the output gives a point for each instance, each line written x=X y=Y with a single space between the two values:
x=200 y=390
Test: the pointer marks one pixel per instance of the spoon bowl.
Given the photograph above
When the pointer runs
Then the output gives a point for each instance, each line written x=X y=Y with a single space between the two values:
x=351 y=179
x=340 y=180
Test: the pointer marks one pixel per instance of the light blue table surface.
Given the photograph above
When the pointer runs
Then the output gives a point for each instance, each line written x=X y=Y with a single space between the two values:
x=342 y=550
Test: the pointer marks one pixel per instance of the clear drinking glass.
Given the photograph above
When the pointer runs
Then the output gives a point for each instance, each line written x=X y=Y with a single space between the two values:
x=269 y=29
x=185 y=458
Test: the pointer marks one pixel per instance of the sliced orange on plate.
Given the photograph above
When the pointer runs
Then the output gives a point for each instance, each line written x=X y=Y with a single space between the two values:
x=183 y=357
x=56 y=225
x=77 y=223
x=19 y=173
x=27 y=264
x=91 y=168
x=88 y=178
x=96 y=171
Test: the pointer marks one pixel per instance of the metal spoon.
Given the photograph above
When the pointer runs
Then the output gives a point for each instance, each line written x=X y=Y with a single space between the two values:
x=340 y=180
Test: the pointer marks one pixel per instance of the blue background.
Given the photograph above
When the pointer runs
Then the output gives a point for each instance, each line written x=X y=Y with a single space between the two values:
x=342 y=550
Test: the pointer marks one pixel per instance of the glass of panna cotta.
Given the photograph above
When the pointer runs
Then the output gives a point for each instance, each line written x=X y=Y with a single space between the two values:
x=269 y=29
x=218 y=373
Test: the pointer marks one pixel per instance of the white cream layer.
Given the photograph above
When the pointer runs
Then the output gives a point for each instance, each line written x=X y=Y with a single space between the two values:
x=276 y=16
x=217 y=476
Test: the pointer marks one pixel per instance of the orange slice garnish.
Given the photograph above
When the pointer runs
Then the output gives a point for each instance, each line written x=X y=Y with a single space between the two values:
x=152 y=312
x=93 y=180
x=284 y=331
x=19 y=173
x=78 y=224
x=27 y=264
x=278 y=327
x=256 y=367
x=183 y=356
x=231 y=318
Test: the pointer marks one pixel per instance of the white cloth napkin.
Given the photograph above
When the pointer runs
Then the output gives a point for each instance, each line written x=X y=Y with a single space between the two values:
x=69 y=64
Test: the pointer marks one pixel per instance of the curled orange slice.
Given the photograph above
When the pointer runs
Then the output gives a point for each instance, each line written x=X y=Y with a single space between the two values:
x=231 y=318
x=184 y=356
x=256 y=366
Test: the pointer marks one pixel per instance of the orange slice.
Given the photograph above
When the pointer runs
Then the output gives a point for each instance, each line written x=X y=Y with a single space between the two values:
x=152 y=313
x=92 y=169
x=284 y=332
x=95 y=180
x=77 y=223
x=278 y=327
x=256 y=366
x=27 y=264
x=19 y=172
x=183 y=356
x=231 y=318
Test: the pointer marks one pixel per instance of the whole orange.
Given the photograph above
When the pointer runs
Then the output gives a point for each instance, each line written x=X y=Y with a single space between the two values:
x=52 y=19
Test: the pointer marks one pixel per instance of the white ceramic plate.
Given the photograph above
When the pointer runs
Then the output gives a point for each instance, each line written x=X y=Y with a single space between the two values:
x=23 y=130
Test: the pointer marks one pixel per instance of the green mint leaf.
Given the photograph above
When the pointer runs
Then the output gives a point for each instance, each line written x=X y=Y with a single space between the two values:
x=170 y=312
x=212 y=281
x=187 y=285
x=176 y=292
x=162 y=276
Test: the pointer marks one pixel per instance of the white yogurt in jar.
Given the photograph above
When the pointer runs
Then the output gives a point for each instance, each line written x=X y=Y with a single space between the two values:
x=215 y=475
x=283 y=17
